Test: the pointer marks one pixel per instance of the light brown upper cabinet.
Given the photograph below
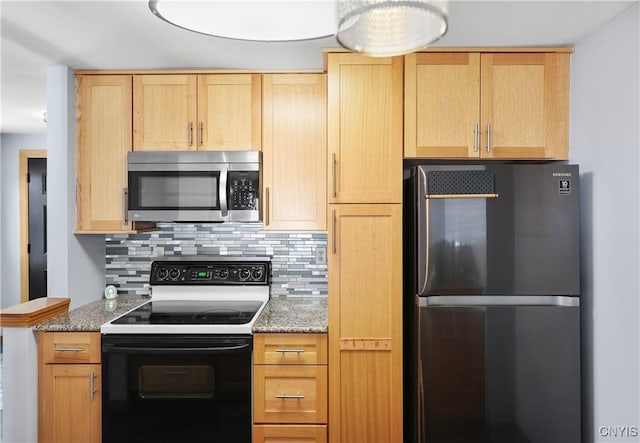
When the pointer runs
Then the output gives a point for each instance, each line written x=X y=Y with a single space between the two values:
x=175 y=112
x=103 y=140
x=500 y=105
x=364 y=129
x=294 y=151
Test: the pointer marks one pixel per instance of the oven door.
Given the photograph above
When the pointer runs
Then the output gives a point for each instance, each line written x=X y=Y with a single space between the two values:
x=194 y=388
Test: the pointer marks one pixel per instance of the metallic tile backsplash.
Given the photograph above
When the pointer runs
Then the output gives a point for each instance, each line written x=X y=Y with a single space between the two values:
x=293 y=254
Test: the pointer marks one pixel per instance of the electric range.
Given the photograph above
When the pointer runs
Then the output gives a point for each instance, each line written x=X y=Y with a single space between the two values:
x=178 y=368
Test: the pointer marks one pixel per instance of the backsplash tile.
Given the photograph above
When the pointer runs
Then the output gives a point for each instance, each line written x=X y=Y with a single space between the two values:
x=293 y=255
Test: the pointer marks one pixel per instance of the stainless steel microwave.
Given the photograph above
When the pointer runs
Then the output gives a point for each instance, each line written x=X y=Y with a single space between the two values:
x=194 y=186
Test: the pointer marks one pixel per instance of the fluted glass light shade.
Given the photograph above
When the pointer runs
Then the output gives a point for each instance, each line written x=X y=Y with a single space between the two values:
x=390 y=27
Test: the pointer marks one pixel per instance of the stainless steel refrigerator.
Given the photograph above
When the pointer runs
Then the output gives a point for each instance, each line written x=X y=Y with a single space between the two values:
x=492 y=303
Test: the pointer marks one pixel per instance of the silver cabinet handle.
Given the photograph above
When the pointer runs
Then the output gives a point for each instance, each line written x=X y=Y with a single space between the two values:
x=489 y=137
x=68 y=350
x=288 y=351
x=125 y=205
x=266 y=206
x=334 y=224
x=333 y=175
x=476 y=137
x=200 y=134
x=294 y=396
x=92 y=385
x=190 y=133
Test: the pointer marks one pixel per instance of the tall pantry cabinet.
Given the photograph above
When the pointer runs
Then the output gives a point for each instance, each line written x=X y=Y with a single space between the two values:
x=365 y=252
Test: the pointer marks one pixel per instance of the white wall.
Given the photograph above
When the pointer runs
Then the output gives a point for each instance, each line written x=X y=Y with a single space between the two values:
x=605 y=142
x=11 y=145
x=75 y=263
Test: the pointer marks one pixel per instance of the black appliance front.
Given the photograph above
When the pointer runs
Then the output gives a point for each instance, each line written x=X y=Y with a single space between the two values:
x=170 y=388
x=488 y=250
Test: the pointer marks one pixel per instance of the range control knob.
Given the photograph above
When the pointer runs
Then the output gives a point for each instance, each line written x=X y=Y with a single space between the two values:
x=223 y=274
x=257 y=274
x=244 y=274
x=174 y=273
x=162 y=274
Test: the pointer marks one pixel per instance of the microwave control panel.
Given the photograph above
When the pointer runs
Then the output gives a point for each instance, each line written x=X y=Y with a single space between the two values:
x=244 y=189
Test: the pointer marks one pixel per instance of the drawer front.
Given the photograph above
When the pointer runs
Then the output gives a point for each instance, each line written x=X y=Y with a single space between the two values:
x=289 y=434
x=290 y=394
x=69 y=347
x=290 y=349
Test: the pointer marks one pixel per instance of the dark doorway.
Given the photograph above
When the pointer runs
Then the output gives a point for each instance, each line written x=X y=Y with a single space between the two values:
x=37 y=247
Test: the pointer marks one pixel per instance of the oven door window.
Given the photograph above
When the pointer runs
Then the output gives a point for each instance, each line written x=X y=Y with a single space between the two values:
x=172 y=190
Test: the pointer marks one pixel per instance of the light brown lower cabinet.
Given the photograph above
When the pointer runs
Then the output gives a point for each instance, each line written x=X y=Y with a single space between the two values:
x=69 y=387
x=290 y=388
x=290 y=433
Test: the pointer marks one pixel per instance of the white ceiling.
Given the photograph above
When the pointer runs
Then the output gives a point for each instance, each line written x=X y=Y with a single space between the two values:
x=125 y=35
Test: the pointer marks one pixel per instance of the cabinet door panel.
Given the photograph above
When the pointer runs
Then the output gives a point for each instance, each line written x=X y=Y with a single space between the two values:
x=442 y=104
x=164 y=112
x=294 y=151
x=69 y=411
x=365 y=129
x=104 y=139
x=365 y=311
x=289 y=434
x=229 y=112
x=524 y=105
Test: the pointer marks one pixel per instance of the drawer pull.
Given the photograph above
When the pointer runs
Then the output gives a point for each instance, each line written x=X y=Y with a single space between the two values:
x=293 y=396
x=291 y=351
x=68 y=350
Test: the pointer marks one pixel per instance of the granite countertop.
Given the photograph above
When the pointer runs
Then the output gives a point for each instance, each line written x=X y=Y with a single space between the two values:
x=293 y=315
x=280 y=315
x=90 y=317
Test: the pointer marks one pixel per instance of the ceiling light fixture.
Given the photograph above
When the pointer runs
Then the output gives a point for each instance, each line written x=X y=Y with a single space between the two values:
x=382 y=28
x=256 y=20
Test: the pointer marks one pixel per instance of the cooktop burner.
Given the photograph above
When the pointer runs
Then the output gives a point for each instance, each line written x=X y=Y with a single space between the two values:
x=202 y=312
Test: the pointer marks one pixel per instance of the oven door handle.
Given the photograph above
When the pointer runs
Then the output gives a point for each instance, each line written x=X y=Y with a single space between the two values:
x=115 y=349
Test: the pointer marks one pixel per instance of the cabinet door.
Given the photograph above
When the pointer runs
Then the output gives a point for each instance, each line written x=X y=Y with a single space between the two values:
x=525 y=105
x=364 y=129
x=104 y=138
x=365 y=313
x=164 y=116
x=229 y=112
x=70 y=403
x=294 y=151
x=442 y=105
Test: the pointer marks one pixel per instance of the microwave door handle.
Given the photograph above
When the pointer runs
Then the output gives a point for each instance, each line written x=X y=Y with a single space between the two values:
x=222 y=192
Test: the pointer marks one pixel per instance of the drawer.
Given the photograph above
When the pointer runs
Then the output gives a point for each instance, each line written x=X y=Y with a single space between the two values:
x=290 y=349
x=69 y=347
x=290 y=394
x=290 y=433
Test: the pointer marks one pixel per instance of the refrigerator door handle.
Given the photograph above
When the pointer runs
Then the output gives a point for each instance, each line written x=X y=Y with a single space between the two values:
x=499 y=300
x=423 y=231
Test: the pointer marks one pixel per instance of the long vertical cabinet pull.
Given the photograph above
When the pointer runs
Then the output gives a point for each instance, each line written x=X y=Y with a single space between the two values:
x=334 y=225
x=125 y=205
x=476 y=137
x=266 y=206
x=200 y=134
x=489 y=137
x=333 y=175
x=190 y=133
x=92 y=385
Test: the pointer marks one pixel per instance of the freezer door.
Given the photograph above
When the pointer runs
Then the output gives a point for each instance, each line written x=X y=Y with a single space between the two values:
x=525 y=241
